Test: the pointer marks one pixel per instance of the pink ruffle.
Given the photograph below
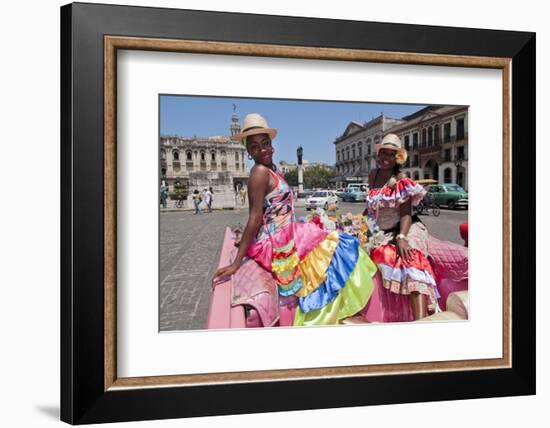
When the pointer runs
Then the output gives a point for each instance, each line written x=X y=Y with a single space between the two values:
x=306 y=237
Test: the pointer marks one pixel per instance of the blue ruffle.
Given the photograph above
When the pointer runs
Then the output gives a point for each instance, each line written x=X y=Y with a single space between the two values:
x=340 y=268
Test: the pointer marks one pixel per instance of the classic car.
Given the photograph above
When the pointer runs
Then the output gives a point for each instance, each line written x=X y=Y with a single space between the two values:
x=449 y=194
x=322 y=199
x=249 y=298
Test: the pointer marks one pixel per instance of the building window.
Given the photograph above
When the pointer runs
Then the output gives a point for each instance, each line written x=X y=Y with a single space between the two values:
x=176 y=155
x=223 y=154
x=360 y=151
x=369 y=152
x=203 y=157
x=189 y=156
x=423 y=142
x=447 y=175
x=416 y=160
x=353 y=152
x=460 y=129
x=447 y=155
x=213 y=156
x=416 y=175
x=460 y=154
x=447 y=133
x=163 y=154
x=406 y=142
x=430 y=136
x=415 y=141
x=163 y=172
x=437 y=136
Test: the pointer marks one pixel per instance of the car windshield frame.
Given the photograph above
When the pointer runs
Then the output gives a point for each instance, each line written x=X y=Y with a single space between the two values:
x=320 y=195
x=454 y=188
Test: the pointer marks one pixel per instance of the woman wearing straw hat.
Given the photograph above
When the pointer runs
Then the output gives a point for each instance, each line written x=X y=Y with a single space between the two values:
x=326 y=276
x=402 y=254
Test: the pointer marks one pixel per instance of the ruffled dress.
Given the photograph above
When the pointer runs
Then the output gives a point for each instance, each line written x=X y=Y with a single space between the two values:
x=401 y=276
x=329 y=274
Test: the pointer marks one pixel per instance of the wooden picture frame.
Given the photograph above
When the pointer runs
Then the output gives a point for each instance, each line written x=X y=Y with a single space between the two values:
x=91 y=390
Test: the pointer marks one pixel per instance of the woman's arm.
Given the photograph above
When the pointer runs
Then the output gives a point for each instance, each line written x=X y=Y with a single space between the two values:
x=258 y=187
x=405 y=222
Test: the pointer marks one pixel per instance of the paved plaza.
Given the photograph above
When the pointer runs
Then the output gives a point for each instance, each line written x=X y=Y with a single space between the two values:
x=190 y=249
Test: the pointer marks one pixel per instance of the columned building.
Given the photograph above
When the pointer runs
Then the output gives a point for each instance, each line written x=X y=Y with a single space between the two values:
x=436 y=139
x=355 y=154
x=217 y=161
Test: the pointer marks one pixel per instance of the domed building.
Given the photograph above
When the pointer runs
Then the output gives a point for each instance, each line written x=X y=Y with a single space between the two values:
x=197 y=162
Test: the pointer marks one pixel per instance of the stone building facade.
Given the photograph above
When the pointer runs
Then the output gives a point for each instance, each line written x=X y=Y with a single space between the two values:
x=355 y=154
x=436 y=139
x=217 y=161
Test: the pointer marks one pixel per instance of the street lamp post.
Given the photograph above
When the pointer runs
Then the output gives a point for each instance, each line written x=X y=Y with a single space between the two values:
x=300 y=154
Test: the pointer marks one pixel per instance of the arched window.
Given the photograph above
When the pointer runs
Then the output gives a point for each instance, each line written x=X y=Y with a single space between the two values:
x=430 y=136
x=176 y=155
x=203 y=156
x=437 y=136
x=236 y=156
x=163 y=154
x=223 y=154
x=424 y=137
x=447 y=175
x=213 y=154
x=189 y=155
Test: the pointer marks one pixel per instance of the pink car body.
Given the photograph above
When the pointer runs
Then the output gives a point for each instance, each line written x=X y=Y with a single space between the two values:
x=250 y=299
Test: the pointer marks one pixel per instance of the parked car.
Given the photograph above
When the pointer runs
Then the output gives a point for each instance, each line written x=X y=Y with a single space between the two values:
x=321 y=199
x=354 y=196
x=450 y=195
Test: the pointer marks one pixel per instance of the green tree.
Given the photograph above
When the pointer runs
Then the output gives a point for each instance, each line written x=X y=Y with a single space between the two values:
x=291 y=177
x=318 y=176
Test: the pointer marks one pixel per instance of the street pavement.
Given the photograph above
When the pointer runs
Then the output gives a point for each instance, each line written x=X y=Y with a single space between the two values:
x=190 y=248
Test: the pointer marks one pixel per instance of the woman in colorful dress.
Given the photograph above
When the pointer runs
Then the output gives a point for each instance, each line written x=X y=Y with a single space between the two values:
x=401 y=254
x=327 y=275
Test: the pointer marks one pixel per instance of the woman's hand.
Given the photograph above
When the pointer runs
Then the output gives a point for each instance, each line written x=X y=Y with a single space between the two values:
x=223 y=274
x=404 y=250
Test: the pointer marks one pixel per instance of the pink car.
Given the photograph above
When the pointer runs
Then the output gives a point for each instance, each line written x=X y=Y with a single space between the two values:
x=250 y=299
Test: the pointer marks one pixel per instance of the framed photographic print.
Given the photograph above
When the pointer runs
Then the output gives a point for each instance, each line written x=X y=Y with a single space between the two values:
x=318 y=205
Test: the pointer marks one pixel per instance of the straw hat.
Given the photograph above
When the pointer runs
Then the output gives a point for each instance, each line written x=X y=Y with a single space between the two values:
x=254 y=124
x=393 y=142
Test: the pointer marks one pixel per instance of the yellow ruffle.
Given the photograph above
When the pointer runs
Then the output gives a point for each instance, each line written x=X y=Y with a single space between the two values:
x=283 y=265
x=313 y=268
x=351 y=299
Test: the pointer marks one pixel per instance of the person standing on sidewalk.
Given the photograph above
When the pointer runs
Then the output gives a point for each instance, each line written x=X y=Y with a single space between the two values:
x=197 y=201
x=211 y=198
x=207 y=198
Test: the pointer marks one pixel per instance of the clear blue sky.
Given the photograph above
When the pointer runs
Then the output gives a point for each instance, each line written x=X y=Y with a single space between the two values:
x=312 y=124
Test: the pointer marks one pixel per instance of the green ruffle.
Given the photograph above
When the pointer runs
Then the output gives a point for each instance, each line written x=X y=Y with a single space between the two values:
x=351 y=299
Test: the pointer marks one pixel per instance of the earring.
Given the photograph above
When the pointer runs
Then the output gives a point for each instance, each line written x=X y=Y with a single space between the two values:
x=249 y=157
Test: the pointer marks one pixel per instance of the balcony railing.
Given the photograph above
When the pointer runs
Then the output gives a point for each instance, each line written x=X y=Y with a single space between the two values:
x=190 y=166
x=203 y=166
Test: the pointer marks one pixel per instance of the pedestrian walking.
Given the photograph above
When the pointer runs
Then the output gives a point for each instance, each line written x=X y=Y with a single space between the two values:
x=242 y=194
x=207 y=198
x=211 y=200
x=163 y=194
x=197 y=201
